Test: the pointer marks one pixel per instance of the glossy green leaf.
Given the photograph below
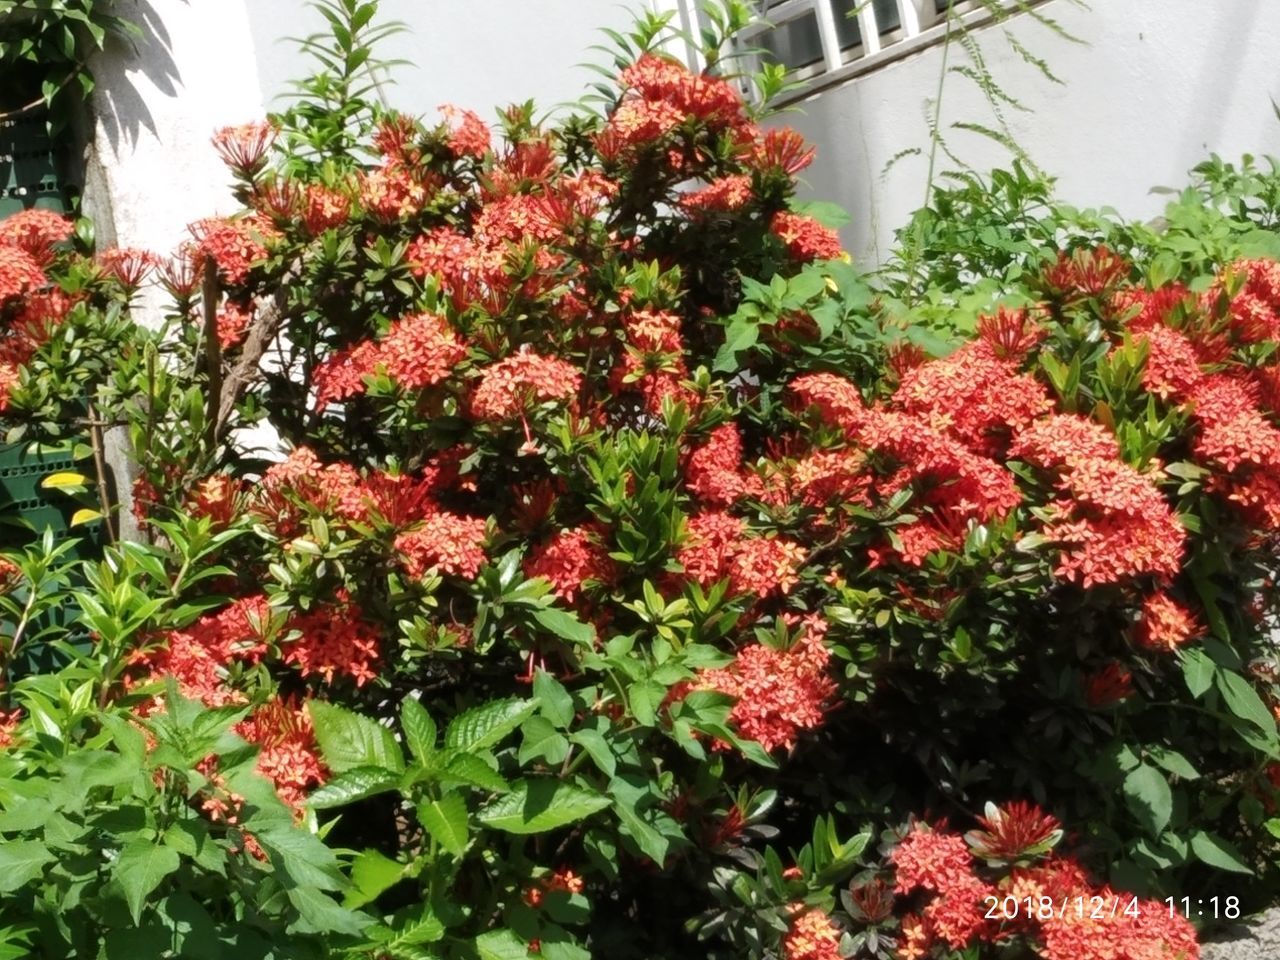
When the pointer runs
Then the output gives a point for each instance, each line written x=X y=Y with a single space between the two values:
x=446 y=820
x=536 y=806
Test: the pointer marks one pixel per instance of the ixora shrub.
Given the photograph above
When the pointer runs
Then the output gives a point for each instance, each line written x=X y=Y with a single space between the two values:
x=639 y=580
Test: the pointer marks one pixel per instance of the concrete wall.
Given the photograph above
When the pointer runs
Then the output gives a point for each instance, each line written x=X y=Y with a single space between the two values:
x=1154 y=89
x=477 y=54
x=157 y=101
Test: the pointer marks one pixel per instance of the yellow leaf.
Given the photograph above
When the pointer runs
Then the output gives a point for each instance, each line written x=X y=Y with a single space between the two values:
x=57 y=481
x=85 y=516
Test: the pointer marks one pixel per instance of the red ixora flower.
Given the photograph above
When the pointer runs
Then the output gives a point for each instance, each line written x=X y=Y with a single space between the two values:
x=36 y=232
x=128 y=266
x=1086 y=273
x=571 y=560
x=811 y=936
x=1014 y=831
x=234 y=246
x=1106 y=687
x=1164 y=624
x=507 y=388
x=779 y=693
x=334 y=640
x=804 y=237
x=244 y=148
x=443 y=542
x=19 y=273
x=468 y=135
x=289 y=756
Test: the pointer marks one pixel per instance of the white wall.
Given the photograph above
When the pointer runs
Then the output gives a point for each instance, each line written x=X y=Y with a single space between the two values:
x=1156 y=87
x=477 y=54
x=156 y=104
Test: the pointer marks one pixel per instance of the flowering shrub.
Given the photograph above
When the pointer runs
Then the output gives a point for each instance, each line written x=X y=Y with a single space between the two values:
x=629 y=558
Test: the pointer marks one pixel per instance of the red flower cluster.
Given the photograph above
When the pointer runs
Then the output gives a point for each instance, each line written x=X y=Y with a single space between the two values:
x=812 y=936
x=941 y=864
x=779 y=693
x=573 y=559
x=9 y=720
x=1113 y=523
x=199 y=657
x=659 y=95
x=234 y=246
x=509 y=387
x=418 y=351
x=805 y=238
x=29 y=308
x=244 y=148
x=468 y=135
x=334 y=640
x=714 y=472
x=652 y=360
x=1164 y=624
x=289 y=756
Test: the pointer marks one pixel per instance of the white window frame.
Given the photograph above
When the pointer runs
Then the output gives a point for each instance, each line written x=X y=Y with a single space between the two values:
x=921 y=25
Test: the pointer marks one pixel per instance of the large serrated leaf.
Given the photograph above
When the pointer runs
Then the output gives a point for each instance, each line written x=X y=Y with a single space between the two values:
x=471 y=769
x=485 y=725
x=348 y=740
x=1197 y=671
x=1243 y=701
x=353 y=785
x=419 y=729
x=501 y=945
x=372 y=873
x=536 y=806
x=446 y=820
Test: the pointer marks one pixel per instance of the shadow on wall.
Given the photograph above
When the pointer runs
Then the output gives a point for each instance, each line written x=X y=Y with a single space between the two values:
x=1217 y=85
x=120 y=106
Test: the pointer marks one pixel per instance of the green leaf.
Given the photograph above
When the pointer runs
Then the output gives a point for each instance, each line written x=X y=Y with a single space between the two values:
x=353 y=785
x=645 y=698
x=347 y=740
x=1174 y=762
x=139 y=869
x=826 y=213
x=419 y=729
x=487 y=724
x=597 y=746
x=1216 y=852
x=318 y=913
x=446 y=820
x=565 y=625
x=297 y=854
x=501 y=945
x=21 y=861
x=536 y=806
x=470 y=769
x=1149 y=798
x=372 y=873
x=557 y=704
x=1197 y=671
x=542 y=741
x=1243 y=701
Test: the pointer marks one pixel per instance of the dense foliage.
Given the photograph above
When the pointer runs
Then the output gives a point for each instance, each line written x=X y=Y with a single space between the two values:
x=45 y=50
x=625 y=574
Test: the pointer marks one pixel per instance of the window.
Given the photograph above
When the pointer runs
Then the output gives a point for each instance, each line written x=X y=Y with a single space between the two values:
x=798 y=42
x=825 y=41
